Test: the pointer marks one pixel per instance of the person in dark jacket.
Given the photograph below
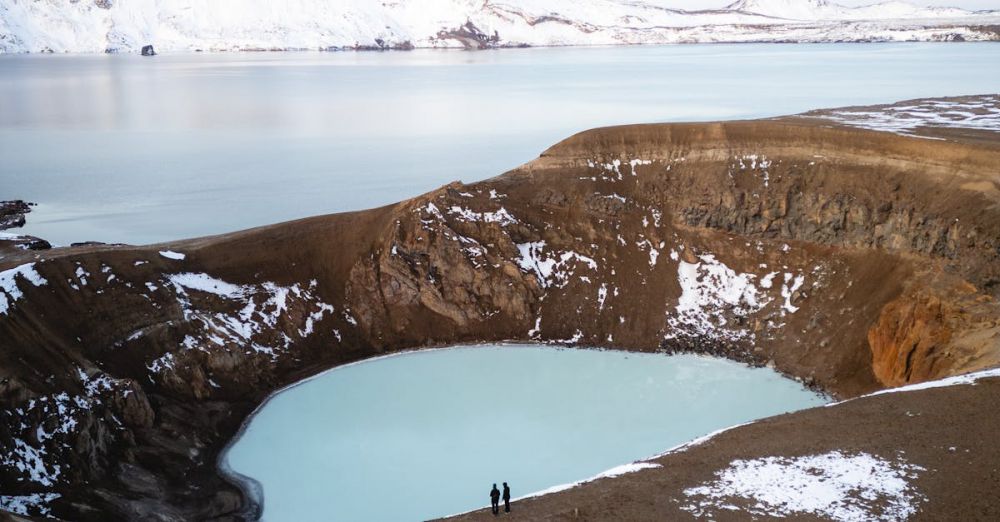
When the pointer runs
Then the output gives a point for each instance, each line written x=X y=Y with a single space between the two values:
x=506 y=498
x=495 y=500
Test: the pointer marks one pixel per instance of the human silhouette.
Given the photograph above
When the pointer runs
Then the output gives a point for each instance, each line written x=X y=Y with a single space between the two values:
x=506 y=498
x=495 y=500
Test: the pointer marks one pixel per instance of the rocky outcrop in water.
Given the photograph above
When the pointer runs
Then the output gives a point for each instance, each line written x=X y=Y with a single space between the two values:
x=847 y=258
x=12 y=213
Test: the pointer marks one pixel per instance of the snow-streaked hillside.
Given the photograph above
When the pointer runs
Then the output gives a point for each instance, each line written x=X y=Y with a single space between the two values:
x=126 y=25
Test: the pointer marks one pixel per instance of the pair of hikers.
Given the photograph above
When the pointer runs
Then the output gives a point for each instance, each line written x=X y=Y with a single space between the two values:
x=495 y=499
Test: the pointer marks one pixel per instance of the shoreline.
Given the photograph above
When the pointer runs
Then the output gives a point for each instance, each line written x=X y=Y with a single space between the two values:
x=514 y=47
x=254 y=491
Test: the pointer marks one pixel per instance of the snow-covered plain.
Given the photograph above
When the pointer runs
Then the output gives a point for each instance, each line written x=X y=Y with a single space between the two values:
x=975 y=113
x=104 y=25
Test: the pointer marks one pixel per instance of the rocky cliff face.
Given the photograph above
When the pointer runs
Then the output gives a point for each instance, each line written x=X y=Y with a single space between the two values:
x=927 y=333
x=847 y=258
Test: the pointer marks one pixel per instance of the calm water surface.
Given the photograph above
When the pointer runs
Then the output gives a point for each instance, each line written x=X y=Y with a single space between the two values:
x=426 y=434
x=139 y=150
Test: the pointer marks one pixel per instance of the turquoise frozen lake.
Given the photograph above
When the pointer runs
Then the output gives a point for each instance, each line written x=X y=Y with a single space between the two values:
x=425 y=434
x=121 y=148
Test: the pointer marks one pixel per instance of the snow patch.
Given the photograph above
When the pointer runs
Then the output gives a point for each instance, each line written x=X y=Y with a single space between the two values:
x=968 y=378
x=206 y=283
x=712 y=294
x=613 y=472
x=501 y=216
x=551 y=271
x=602 y=295
x=43 y=428
x=10 y=292
x=537 y=329
x=756 y=164
x=836 y=485
x=259 y=322
x=788 y=289
x=709 y=288
x=28 y=505
x=976 y=113
x=652 y=249
x=162 y=363
x=170 y=254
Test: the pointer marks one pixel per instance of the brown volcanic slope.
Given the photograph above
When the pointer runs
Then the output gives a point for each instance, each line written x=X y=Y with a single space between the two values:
x=851 y=259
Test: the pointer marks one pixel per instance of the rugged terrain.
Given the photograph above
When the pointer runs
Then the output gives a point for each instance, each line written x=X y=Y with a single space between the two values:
x=194 y=25
x=851 y=259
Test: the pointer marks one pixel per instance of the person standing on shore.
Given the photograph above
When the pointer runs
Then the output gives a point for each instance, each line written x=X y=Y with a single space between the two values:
x=506 y=498
x=495 y=499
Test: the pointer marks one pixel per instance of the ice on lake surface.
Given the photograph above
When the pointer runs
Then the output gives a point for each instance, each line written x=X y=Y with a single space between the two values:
x=121 y=148
x=426 y=434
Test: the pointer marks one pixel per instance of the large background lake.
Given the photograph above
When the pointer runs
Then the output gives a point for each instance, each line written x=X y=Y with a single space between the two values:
x=140 y=150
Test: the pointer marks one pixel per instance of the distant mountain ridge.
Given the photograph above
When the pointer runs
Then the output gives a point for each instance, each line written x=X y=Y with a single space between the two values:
x=224 y=25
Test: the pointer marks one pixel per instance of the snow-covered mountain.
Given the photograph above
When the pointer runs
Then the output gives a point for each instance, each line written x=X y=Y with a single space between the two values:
x=127 y=25
x=816 y=10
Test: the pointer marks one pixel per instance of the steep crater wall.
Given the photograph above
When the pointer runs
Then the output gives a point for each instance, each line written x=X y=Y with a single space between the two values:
x=849 y=259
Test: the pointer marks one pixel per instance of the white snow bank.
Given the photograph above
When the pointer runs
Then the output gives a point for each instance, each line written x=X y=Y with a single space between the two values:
x=206 y=283
x=9 y=290
x=34 y=504
x=613 y=472
x=170 y=254
x=968 y=378
x=835 y=485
